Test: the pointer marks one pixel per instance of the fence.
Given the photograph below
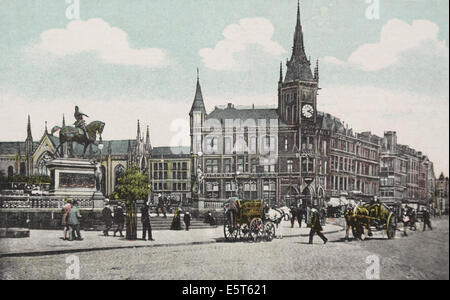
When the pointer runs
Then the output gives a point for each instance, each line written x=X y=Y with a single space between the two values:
x=41 y=202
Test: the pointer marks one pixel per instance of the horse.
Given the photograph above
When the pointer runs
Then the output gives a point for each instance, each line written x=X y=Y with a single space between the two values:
x=73 y=134
x=277 y=215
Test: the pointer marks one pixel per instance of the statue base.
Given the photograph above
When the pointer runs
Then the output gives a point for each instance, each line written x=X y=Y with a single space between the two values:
x=75 y=178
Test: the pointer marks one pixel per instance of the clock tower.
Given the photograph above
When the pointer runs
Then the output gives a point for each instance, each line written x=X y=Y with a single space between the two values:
x=297 y=93
x=297 y=109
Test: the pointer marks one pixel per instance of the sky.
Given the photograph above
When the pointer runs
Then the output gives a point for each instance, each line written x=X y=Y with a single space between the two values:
x=383 y=64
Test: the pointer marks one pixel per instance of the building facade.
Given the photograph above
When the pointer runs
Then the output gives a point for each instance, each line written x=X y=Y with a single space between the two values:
x=286 y=154
x=30 y=157
x=407 y=175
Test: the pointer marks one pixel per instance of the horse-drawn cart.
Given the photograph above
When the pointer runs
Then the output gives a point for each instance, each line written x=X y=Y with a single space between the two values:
x=374 y=215
x=244 y=220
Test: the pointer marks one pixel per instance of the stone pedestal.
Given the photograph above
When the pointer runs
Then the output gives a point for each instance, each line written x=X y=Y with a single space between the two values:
x=75 y=178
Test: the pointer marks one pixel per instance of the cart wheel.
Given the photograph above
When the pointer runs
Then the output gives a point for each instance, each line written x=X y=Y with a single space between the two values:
x=391 y=227
x=269 y=231
x=256 y=229
x=230 y=232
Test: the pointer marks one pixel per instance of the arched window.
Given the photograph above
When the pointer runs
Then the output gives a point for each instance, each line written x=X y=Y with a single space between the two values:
x=42 y=164
x=119 y=170
x=10 y=171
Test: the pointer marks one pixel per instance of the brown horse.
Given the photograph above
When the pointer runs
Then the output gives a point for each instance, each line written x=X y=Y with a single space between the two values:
x=73 y=134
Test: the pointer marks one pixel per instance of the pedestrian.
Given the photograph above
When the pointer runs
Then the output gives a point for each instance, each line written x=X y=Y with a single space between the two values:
x=146 y=226
x=107 y=219
x=405 y=220
x=426 y=220
x=316 y=227
x=300 y=214
x=161 y=206
x=119 y=220
x=74 y=222
x=176 y=221
x=294 y=213
x=187 y=220
x=66 y=209
x=349 y=219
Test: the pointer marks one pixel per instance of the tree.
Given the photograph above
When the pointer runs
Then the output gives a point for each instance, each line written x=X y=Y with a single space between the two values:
x=132 y=186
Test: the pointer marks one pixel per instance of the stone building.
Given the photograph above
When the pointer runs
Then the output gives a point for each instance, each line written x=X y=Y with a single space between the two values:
x=441 y=204
x=30 y=157
x=170 y=174
x=406 y=175
x=286 y=154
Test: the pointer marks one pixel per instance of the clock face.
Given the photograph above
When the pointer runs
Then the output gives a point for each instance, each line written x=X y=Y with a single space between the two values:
x=308 y=111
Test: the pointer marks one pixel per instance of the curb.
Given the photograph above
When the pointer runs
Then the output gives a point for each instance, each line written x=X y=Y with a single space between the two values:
x=64 y=251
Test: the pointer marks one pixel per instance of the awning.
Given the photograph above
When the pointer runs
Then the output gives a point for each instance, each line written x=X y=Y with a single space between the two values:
x=334 y=202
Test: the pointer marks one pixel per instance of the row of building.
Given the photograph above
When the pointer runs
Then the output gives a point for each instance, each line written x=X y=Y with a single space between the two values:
x=288 y=154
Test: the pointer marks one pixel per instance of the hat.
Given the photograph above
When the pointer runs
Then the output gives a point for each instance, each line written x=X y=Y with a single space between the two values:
x=68 y=200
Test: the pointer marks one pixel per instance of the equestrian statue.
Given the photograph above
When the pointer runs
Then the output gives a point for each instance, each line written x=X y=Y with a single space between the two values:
x=82 y=134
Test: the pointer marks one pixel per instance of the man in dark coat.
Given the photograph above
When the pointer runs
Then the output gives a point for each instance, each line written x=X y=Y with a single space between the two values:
x=187 y=220
x=426 y=220
x=119 y=220
x=316 y=227
x=146 y=226
x=107 y=219
x=300 y=214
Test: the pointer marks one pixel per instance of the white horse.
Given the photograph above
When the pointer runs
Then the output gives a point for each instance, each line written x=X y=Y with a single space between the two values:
x=277 y=215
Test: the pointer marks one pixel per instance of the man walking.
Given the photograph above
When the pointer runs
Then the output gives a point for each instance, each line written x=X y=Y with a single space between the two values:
x=119 y=220
x=107 y=219
x=426 y=220
x=300 y=214
x=73 y=222
x=316 y=227
x=145 y=219
x=187 y=220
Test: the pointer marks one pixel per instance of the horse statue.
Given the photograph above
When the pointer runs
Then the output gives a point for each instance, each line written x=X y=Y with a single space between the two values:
x=74 y=134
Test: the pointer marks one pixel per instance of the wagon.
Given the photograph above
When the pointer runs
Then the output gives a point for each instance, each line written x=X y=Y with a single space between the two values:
x=243 y=220
x=373 y=215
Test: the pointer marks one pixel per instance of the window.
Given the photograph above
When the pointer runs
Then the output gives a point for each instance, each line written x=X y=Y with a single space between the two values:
x=212 y=166
x=290 y=166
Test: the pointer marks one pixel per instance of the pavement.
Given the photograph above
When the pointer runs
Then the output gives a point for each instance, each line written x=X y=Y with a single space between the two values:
x=50 y=242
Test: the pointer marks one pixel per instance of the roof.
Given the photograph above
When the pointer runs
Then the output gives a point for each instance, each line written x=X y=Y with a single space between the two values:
x=171 y=152
x=232 y=113
x=198 y=104
x=299 y=67
x=12 y=148
x=329 y=122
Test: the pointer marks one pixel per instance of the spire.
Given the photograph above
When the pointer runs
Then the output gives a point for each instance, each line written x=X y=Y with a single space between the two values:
x=299 y=67
x=298 y=36
x=138 y=136
x=109 y=148
x=148 y=146
x=64 y=121
x=198 y=104
x=46 y=131
x=316 y=71
x=281 y=72
x=29 y=136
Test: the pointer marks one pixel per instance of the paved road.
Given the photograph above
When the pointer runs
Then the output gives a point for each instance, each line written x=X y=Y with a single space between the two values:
x=422 y=255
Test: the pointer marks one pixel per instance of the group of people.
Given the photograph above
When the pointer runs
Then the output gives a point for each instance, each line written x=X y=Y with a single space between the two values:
x=70 y=220
x=109 y=219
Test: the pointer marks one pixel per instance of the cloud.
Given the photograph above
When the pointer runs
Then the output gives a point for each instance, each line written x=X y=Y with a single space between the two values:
x=396 y=39
x=97 y=36
x=249 y=31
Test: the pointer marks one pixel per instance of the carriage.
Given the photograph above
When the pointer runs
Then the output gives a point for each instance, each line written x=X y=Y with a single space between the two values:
x=373 y=215
x=244 y=220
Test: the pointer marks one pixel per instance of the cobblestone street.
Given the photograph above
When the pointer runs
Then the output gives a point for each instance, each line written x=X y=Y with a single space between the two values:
x=421 y=255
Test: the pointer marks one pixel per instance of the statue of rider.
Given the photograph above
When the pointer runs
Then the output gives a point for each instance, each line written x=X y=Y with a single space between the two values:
x=80 y=122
